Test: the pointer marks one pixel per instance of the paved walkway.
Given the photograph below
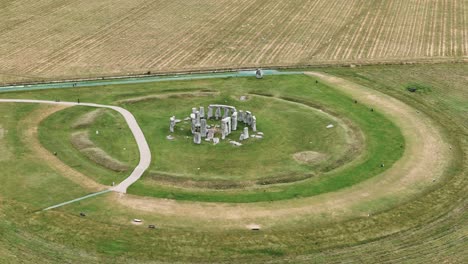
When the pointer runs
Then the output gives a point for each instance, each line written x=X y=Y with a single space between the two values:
x=143 y=147
x=76 y=200
x=144 y=79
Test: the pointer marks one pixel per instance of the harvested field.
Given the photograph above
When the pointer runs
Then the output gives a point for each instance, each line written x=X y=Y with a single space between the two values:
x=70 y=39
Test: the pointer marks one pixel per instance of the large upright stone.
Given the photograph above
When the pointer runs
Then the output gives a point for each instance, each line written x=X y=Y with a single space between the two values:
x=202 y=112
x=246 y=133
x=197 y=138
x=248 y=118
x=234 y=121
x=218 y=113
x=240 y=116
x=197 y=117
x=226 y=112
x=224 y=129
x=254 y=124
x=210 y=112
x=229 y=127
x=203 y=127
x=172 y=124
x=194 y=122
x=194 y=110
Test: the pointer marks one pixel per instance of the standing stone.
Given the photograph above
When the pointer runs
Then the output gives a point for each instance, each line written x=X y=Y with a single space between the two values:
x=224 y=128
x=203 y=128
x=254 y=124
x=248 y=118
x=246 y=132
x=234 y=121
x=173 y=123
x=210 y=112
x=226 y=112
x=194 y=120
x=229 y=125
x=197 y=117
x=218 y=113
x=194 y=110
x=202 y=112
x=240 y=116
x=197 y=138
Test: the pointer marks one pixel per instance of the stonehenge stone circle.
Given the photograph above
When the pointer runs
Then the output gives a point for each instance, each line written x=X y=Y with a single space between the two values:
x=230 y=118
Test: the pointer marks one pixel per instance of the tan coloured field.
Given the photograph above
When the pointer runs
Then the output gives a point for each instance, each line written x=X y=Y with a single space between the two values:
x=45 y=39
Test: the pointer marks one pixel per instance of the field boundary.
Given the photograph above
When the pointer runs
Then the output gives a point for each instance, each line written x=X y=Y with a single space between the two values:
x=220 y=70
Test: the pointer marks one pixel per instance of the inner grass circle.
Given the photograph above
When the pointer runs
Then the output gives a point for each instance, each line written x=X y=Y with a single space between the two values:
x=289 y=128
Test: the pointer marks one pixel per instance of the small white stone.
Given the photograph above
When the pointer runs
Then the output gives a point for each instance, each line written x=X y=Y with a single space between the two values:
x=330 y=126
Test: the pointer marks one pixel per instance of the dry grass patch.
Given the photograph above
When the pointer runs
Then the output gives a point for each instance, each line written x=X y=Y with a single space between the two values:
x=168 y=95
x=87 y=119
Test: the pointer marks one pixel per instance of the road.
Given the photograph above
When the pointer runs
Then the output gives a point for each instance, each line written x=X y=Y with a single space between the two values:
x=143 y=147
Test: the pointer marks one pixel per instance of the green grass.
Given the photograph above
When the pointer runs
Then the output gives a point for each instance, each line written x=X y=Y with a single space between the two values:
x=24 y=178
x=284 y=115
x=430 y=228
x=112 y=127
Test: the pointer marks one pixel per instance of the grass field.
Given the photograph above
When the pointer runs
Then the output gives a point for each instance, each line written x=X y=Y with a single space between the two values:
x=431 y=226
x=250 y=170
x=44 y=40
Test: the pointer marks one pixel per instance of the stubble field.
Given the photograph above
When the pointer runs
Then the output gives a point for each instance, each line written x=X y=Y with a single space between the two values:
x=44 y=40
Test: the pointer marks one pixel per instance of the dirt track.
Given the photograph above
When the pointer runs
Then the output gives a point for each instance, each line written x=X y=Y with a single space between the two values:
x=424 y=160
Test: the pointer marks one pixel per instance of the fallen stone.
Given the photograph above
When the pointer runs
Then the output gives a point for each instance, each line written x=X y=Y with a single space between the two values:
x=170 y=137
x=235 y=143
x=330 y=126
x=215 y=141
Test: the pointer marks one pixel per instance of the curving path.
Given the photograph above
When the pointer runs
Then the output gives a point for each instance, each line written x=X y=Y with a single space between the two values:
x=143 y=147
